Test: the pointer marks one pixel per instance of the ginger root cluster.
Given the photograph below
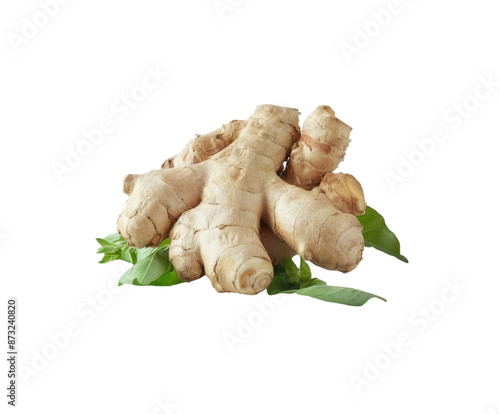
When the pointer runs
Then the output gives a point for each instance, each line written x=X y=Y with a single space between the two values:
x=233 y=209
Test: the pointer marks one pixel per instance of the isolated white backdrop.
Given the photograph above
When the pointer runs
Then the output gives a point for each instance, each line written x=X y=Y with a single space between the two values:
x=150 y=350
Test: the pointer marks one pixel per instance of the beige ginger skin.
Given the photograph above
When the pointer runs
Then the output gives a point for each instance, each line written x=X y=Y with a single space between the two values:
x=229 y=214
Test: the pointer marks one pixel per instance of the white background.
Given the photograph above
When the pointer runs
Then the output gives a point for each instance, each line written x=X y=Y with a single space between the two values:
x=145 y=346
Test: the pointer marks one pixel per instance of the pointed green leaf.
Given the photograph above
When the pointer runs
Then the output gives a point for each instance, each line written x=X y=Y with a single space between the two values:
x=109 y=257
x=127 y=278
x=377 y=234
x=118 y=249
x=281 y=281
x=108 y=249
x=314 y=288
x=129 y=254
x=104 y=242
x=312 y=282
x=152 y=267
x=149 y=269
x=304 y=271
x=168 y=279
x=115 y=238
x=164 y=243
x=291 y=270
x=335 y=294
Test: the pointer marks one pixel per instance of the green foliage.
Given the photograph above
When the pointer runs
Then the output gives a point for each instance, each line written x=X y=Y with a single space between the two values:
x=377 y=234
x=285 y=281
x=151 y=267
x=115 y=247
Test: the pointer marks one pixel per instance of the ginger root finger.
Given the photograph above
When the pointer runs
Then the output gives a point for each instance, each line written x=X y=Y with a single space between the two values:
x=320 y=149
x=156 y=200
x=344 y=192
x=241 y=266
x=224 y=238
x=204 y=146
x=309 y=223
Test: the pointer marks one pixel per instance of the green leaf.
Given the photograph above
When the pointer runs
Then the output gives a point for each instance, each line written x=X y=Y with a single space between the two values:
x=150 y=269
x=335 y=294
x=133 y=254
x=110 y=257
x=312 y=282
x=127 y=278
x=168 y=279
x=377 y=234
x=115 y=238
x=304 y=271
x=129 y=254
x=291 y=270
x=108 y=249
x=315 y=288
x=164 y=243
x=111 y=246
x=150 y=266
x=281 y=281
x=104 y=243
x=116 y=247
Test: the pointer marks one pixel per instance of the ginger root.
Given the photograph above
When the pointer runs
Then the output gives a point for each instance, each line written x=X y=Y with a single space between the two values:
x=229 y=214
